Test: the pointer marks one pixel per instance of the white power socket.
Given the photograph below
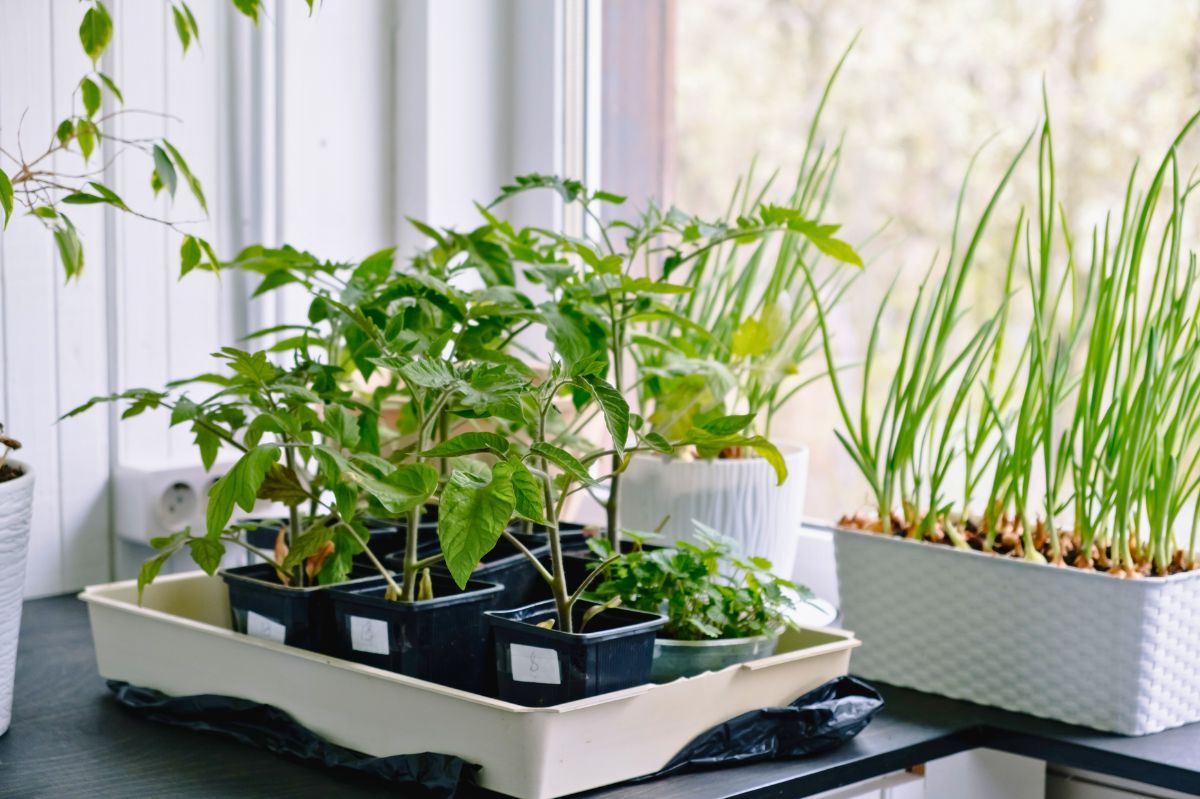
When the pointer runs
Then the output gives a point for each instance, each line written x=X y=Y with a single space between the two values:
x=153 y=501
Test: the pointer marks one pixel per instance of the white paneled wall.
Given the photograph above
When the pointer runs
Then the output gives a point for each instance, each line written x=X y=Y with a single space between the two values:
x=127 y=321
x=323 y=132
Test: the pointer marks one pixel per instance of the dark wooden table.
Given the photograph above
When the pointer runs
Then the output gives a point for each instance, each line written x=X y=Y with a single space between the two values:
x=70 y=738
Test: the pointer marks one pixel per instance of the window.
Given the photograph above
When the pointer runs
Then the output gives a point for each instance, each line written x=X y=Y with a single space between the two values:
x=694 y=92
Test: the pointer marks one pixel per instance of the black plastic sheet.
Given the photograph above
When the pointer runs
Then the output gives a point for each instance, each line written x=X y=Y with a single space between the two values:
x=818 y=721
x=425 y=774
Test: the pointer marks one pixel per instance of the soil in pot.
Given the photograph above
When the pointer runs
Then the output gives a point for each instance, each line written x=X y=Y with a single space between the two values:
x=540 y=666
x=442 y=640
x=505 y=565
x=262 y=606
x=675 y=659
x=1009 y=542
x=9 y=472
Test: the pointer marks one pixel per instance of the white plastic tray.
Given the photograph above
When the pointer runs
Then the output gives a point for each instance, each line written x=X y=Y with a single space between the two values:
x=179 y=642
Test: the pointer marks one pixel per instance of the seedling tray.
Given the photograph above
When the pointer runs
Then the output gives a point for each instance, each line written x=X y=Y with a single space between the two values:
x=179 y=642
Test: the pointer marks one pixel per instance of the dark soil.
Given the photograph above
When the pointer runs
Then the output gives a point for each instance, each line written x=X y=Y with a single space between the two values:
x=1008 y=542
x=9 y=472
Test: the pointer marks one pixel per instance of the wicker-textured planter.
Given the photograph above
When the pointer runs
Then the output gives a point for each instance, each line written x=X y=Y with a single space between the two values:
x=1077 y=646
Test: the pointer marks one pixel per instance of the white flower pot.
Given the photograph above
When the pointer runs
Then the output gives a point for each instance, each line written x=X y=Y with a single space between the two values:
x=737 y=497
x=1077 y=646
x=16 y=505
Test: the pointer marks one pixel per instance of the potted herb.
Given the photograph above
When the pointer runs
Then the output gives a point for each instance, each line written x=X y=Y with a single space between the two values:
x=1045 y=496
x=721 y=608
x=16 y=507
x=738 y=345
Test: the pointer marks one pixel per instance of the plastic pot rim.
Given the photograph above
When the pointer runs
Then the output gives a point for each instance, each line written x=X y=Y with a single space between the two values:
x=648 y=622
x=358 y=595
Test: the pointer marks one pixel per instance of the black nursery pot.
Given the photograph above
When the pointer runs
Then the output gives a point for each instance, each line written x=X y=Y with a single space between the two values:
x=442 y=640
x=391 y=535
x=505 y=565
x=538 y=667
x=573 y=535
x=263 y=607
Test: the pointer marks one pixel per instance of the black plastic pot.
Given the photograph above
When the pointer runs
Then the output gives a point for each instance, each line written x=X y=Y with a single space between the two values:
x=391 y=535
x=261 y=532
x=442 y=640
x=573 y=535
x=537 y=666
x=505 y=565
x=263 y=607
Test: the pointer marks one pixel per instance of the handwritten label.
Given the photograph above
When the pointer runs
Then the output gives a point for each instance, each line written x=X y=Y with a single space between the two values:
x=262 y=627
x=534 y=664
x=369 y=635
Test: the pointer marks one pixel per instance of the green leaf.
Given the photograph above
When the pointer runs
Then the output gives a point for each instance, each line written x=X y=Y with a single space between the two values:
x=469 y=444
x=6 y=196
x=70 y=248
x=255 y=366
x=66 y=129
x=608 y=197
x=710 y=445
x=528 y=493
x=192 y=181
x=95 y=31
x=112 y=87
x=150 y=569
x=239 y=486
x=751 y=338
x=86 y=134
x=280 y=485
x=427 y=373
x=91 y=96
x=44 y=212
x=248 y=7
x=408 y=487
x=614 y=407
x=656 y=442
x=207 y=553
x=165 y=170
x=108 y=195
x=472 y=518
x=837 y=249
x=182 y=28
x=189 y=255
x=563 y=460
x=305 y=544
x=208 y=443
x=728 y=425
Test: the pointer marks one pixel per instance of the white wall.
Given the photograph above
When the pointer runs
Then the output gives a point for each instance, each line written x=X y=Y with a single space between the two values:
x=322 y=132
x=126 y=321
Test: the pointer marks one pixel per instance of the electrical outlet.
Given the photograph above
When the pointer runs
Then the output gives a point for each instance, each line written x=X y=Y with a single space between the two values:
x=153 y=501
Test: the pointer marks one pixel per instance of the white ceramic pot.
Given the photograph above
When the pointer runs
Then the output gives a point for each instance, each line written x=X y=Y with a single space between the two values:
x=1077 y=646
x=16 y=505
x=737 y=497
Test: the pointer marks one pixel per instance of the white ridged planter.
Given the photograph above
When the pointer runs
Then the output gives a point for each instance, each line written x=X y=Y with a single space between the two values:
x=1061 y=643
x=737 y=497
x=16 y=505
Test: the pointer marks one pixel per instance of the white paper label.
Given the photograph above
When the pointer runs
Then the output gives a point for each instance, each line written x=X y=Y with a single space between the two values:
x=369 y=635
x=262 y=627
x=534 y=664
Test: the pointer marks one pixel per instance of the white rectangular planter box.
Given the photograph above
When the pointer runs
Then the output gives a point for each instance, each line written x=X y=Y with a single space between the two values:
x=179 y=642
x=1076 y=646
